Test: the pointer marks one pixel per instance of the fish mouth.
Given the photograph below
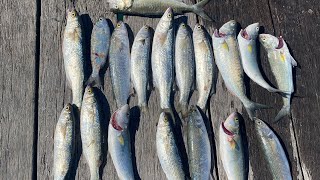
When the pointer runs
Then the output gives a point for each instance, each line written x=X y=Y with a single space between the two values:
x=280 y=45
x=245 y=35
x=217 y=34
x=225 y=130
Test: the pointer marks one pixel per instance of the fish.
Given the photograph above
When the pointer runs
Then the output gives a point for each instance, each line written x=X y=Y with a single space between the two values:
x=227 y=58
x=231 y=148
x=157 y=7
x=199 y=149
x=64 y=143
x=100 y=42
x=72 y=50
x=140 y=65
x=281 y=63
x=119 y=145
x=119 y=59
x=273 y=151
x=90 y=129
x=162 y=58
x=184 y=66
x=204 y=61
x=247 y=40
x=167 y=149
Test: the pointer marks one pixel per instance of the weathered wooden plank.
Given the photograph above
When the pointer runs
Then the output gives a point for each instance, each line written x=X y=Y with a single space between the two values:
x=18 y=86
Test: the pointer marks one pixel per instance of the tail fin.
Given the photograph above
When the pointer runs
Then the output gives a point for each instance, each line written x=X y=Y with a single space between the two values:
x=94 y=80
x=251 y=107
x=183 y=109
x=198 y=9
x=282 y=93
x=285 y=110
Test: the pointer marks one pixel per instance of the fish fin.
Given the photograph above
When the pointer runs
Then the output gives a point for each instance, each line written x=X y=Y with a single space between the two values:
x=175 y=86
x=63 y=130
x=232 y=142
x=285 y=110
x=293 y=61
x=251 y=107
x=183 y=109
x=198 y=9
x=94 y=80
x=212 y=91
x=121 y=140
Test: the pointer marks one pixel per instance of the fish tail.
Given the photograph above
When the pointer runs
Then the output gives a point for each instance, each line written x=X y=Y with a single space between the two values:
x=95 y=174
x=144 y=108
x=198 y=9
x=94 y=80
x=285 y=110
x=183 y=109
x=275 y=90
x=251 y=107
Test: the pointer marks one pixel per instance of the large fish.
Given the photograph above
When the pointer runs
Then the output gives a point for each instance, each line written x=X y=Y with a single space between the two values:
x=140 y=65
x=119 y=143
x=64 y=143
x=72 y=49
x=167 y=149
x=100 y=41
x=281 y=63
x=199 y=150
x=232 y=149
x=227 y=57
x=162 y=58
x=247 y=39
x=156 y=7
x=184 y=66
x=273 y=151
x=204 y=65
x=90 y=128
x=119 y=59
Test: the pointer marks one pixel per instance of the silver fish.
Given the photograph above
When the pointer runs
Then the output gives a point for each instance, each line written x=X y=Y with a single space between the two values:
x=184 y=66
x=167 y=149
x=90 y=129
x=72 y=49
x=162 y=58
x=231 y=149
x=247 y=39
x=64 y=143
x=227 y=57
x=204 y=65
x=119 y=59
x=140 y=65
x=273 y=151
x=199 y=150
x=281 y=63
x=100 y=41
x=119 y=143
x=157 y=7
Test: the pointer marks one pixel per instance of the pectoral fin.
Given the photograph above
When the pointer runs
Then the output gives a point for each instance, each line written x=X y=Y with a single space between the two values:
x=121 y=140
x=250 y=48
x=225 y=46
x=293 y=61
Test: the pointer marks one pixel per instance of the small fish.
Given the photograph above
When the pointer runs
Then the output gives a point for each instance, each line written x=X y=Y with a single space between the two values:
x=100 y=41
x=162 y=58
x=247 y=39
x=72 y=49
x=231 y=148
x=90 y=128
x=119 y=59
x=184 y=66
x=140 y=65
x=199 y=150
x=119 y=143
x=227 y=57
x=157 y=7
x=204 y=65
x=273 y=151
x=281 y=63
x=64 y=143
x=167 y=149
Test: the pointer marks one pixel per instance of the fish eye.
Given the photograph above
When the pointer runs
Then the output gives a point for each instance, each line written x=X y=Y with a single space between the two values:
x=73 y=14
x=257 y=28
x=236 y=119
x=118 y=25
x=100 y=19
x=146 y=27
x=259 y=122
x=183 y=25
x=116 y=7
x=199 y=27
x=263 y=39
x=68 y=108
x=90 y=90
x=169 y=15
x=128 y=114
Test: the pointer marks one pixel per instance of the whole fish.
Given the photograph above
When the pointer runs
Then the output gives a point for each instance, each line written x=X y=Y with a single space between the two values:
x=140 y=65
x=204 y=65
x=228 y=61
x=167 y=149
x=162 y=58
x=119 y=59
x=119 y=143
x=184 y=66
x=100 y=41
x=199 y=150
x=231 y=149
x=247 y=39
x=281 y=63
x=72 y=49
x=64 y=143
x=273 y=151
x=90 y=128
x=156 y=7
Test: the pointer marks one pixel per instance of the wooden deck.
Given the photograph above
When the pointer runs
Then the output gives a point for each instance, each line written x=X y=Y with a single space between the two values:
x=33 y=89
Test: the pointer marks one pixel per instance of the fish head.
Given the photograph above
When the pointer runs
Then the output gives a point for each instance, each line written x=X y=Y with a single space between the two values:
x=195 y=118
x=183 y=31
x=269 y=41
x=144 y=33
x=102 y=23
x=198 y=33
x=166 y=20
x=120 y=118
x=231 y=125
x=263 y=128
x=72 y=15
x=228 y=29
x=250 y=32
x=164 y=119
x=120 y=30
x=67 y=113
x=217 y=38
